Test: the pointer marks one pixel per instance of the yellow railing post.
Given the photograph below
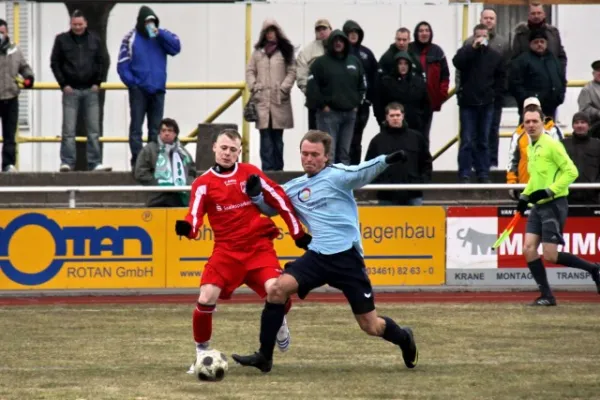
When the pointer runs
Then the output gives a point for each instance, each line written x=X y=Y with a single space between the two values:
x=245 y=93
x=15 y=38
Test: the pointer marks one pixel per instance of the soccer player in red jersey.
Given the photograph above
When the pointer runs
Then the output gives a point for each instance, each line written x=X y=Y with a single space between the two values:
x=243 y=252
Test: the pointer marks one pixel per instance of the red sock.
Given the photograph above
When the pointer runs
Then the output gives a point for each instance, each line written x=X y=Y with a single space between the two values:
x=202 y=322
x=288 y=305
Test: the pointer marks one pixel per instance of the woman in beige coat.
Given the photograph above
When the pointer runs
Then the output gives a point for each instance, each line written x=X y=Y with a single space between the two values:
x=270 y=76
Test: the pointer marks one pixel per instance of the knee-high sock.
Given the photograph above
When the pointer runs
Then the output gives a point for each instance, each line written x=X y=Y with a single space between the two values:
x=393 y=333
x=539 y=275
x=570 y=260
x=270 y=322
x=202 y=323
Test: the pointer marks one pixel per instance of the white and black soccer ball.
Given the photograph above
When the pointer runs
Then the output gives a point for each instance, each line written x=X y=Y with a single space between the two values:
x=211 y=366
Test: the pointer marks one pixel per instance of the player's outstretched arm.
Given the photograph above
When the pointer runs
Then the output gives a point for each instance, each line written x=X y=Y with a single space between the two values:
x=259 y=201
x=357 y=176
x=189 y=226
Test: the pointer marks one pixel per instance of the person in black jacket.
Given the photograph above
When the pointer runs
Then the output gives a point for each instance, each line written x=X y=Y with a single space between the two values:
x=482 y=75
x=396 y=135
x=355 y=36
x=585 y=153
x=77 y=62
x=336 y=88
x=538 y=73
x=404 y=86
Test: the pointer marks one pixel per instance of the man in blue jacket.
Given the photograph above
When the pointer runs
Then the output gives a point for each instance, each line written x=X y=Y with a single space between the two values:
x=142 y=67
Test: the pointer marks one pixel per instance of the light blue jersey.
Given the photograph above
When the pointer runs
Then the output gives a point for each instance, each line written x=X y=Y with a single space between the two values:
x=325 y=204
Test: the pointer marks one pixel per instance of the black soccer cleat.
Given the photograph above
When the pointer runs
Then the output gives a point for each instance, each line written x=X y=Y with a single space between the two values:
x=410 y=353
x=254 y=360
x=544 y=301
x=596 y=277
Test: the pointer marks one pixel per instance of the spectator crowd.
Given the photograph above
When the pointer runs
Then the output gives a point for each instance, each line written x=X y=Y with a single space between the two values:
x=343 y=83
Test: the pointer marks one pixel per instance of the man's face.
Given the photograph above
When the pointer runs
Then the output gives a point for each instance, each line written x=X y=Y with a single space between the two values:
x=4 y=30
x=488 y=18
x=338 y=45
x=580 y=127
x=538 y=45
x=271 y=35
x=394 y=118
x=536 y=14
x=167 y=134
x=596 y=75
x=322 y=32
x=78 y=25
x=227 y=151
x=402 y=40
x=481 y=33
x=353 y=37
x=313 y=157
x=403 y=66
x=424 y=34
x=533 y=124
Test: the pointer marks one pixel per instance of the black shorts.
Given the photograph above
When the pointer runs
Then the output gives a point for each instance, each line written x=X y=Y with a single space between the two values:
x=344 y=271
x=548 y=220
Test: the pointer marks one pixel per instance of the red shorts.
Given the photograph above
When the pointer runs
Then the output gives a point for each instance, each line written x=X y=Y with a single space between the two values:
x=229 y=269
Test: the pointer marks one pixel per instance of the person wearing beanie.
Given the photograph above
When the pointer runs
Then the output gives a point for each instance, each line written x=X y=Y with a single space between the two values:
x=537 y=20
x=585 y=153
x=166 y=163
x=538 y=73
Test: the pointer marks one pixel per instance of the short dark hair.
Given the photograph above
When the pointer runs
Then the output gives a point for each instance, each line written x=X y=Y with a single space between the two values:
x=479 y=27
x=403 y=30
x=394 y=106
x=78 y=14
x=315 y=136
x=170 y=123
x=230 y=133
x=3 y=23
x=488 y=9
x=534 y=108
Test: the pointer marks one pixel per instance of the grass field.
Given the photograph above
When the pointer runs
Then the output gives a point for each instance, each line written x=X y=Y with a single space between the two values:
x=467 y=351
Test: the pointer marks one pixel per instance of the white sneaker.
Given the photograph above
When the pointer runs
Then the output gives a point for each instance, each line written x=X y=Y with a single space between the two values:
x=283 y=337
x=10 y=168
x=64 y=168
x=101 y=167
x=192 y=369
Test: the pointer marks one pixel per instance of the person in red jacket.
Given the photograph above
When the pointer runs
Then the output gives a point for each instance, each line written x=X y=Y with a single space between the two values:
x=435 y=67
x=243 y=252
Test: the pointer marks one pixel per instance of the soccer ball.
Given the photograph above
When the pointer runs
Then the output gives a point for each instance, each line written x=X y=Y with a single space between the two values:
x=211 y=365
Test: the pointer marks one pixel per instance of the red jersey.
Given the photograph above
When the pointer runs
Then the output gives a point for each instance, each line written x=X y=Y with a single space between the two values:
x=232 y=216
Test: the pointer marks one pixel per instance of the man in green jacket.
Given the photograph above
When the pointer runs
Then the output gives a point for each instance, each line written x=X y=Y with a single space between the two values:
x=551 y=171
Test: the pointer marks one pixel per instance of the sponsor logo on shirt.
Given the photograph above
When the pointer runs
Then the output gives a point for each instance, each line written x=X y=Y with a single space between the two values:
x=304 y=195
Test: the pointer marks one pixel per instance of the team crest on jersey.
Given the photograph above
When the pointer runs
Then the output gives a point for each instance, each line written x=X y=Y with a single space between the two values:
x=304 y=195
x=243 y=186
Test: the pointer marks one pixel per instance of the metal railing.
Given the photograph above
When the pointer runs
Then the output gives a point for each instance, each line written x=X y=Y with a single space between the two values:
x=73 y=190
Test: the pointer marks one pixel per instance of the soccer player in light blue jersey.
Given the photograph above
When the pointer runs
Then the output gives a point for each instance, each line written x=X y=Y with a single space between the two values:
x=324 y=202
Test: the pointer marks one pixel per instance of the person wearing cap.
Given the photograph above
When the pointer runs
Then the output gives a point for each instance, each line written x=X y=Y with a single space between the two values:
x=589 y=97
x=166 y=163
x=142 y=67
x=536 y=20
x=305 y=59
x=516 y=170
x=585 y=153
x=538 y=73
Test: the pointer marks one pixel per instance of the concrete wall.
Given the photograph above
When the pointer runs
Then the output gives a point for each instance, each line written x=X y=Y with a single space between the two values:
x=213 y=50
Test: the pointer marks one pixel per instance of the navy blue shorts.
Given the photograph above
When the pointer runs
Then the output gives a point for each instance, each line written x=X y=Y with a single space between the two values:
x=344 y=271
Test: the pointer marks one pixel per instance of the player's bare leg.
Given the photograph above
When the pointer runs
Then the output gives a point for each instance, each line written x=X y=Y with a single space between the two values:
x=388 y=329
x=202 y=318
x=283 y=338
x=270 y=322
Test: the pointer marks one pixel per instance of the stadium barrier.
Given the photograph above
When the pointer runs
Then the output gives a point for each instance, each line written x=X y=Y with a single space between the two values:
x=121 y=249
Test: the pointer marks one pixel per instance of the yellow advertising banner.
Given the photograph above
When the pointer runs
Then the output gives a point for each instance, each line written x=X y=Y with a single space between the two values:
x=82 y=249
x=404 y=246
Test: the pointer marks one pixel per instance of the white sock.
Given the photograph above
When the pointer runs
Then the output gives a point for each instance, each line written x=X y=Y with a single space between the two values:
x=200 y=347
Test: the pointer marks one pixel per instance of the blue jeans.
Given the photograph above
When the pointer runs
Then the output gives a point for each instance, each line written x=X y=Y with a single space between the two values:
x=475 y=124
x=340 y=125
x=271 y=149
x=494 y=138
x=142 y=104
x=415 y=201
x=71 y=102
